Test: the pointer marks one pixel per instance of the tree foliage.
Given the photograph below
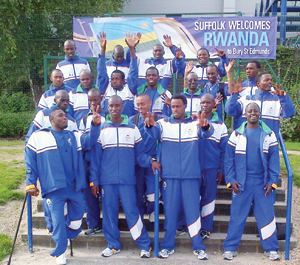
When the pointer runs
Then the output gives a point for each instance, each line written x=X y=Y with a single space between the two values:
x=30 y=29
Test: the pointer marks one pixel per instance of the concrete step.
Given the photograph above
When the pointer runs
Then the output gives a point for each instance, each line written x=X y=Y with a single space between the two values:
x=225 y=194
x=220 y=223
x=249 y=243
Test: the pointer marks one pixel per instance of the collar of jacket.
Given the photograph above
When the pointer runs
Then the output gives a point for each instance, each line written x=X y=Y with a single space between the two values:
x=215 y=116
x=264 y=127
x=75 y=57
x=124 y=119
x=143 y=88
x=79 y=88
x=187 y=115
x=55 y=107
x=186 y=91
x=199 y=65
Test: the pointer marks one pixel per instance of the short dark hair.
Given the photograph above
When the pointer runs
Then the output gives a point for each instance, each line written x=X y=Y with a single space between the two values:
x=252 y=103
x=260 y=75
x=213 y=65
x=118 y=72
x=179 y=96
x=257 y=63
x=152 y=68
x=203 y=49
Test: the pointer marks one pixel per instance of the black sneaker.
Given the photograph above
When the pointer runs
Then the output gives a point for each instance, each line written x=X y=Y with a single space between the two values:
x=205 y=234
x=93 y=231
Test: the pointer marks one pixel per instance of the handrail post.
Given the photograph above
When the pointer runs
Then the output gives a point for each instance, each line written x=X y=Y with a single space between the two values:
x=29 y=224
x=156 y=207
x=289 y=198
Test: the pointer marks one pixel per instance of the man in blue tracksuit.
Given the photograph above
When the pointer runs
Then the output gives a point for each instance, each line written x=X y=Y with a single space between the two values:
x=92 y=202
x=251 y=169
x=272 y=105
x=47 y=99
x=72 y=65
x=117 y=85
x=121 y=145
x=212 y=152
x=54 y=156
x=180 y=172
x=144 y=175
x=79 y=96
x=159 y=96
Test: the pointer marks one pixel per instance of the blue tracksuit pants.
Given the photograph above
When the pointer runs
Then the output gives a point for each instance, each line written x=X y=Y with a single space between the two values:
x=208 y=193
x=144 y=186
x=187 y=191
x=111 y=195
x=263 y=211
x=65 y=224
x=47 y=215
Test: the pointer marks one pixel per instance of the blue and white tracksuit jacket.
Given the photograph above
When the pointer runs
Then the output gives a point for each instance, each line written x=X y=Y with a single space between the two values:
x=193 y=100
x=71 y=69
x=47 y=99
x=42 y=119
x=112 y=65
x=128 y=90
x=271 y=107
x=181 y=175
x=212 y=153
x=121 y=145
x=80 y=102
x=252 y=187
x=158 y=106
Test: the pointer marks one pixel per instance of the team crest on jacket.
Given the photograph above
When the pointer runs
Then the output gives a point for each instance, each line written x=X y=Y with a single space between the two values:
x=190 y=131
x=48 y=202
x=165 y=185
x=69 y=141
x=102 y=192
x=127 y=138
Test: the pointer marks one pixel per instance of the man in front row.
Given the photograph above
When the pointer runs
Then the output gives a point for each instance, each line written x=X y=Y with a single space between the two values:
x=180 y=172
x=54 y=156
x=119 y=146
x=251 y=169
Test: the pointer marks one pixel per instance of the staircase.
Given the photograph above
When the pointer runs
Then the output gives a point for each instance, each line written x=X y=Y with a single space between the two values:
x=250 y=241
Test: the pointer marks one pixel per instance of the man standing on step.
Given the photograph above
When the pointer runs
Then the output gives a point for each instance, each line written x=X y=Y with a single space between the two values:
x=54 y=156
x=252 y=169
x=179 y=135
x=119 y=147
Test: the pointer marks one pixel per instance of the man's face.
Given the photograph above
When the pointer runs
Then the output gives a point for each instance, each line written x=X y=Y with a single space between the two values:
x=212 y=74
x=143 y=105
x=192 y=81
x=57 y=79
x=115 y=107
x=252 y=70
x=94 y=100
x=178 y=108
x=62 y=102
x=252 y=113
x=119 y=56
x=202 y=57
x=117 y=81
x=158 y=52
x=86 y=80
x=265 y=83
x=152 y=77
x=207 y=104
x=69 y=50
x=59 y=120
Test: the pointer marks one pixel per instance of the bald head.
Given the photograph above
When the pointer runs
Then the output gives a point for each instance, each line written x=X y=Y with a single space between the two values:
x=57 y=78
x=94 y=96
x=61 y=99
x=69 y=42
x=86 y=79
x=94 y=92
x=115 y=99
x=208 y=97
x=69 y=49
x=143 y=103
x=207 y=104
x=118 y=53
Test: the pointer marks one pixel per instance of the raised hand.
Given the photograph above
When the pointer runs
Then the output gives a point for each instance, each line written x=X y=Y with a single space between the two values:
x=218 y=100
x=150 y=120
x=96 y=115
x=179 y=54
x=202 y=122
x=278 y=90
x=235 y=186
x=102 y=39
x=220 y=53
x=228 y=68
x=165 y=99
x=33 y=192
x=237 y=86
x=188 y=68
x=137 y=38
x=168 y=42
x=268 y=189
x=131 y=39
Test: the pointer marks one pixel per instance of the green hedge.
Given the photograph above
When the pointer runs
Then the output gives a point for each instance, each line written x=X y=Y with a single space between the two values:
x=15 y=125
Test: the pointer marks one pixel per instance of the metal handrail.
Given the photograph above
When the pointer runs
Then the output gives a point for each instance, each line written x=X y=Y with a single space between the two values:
x=156 y=206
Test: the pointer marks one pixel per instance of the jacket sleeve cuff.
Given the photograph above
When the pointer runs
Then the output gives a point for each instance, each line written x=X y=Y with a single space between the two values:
x=32 y=186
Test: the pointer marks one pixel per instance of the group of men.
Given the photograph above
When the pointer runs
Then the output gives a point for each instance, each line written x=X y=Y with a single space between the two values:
x=100 y=140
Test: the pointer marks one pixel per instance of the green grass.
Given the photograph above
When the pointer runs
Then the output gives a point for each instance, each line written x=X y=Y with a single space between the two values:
x=295 y=163
x=12 y=151
x=11 y=175
x=292 y=146
x=5 y=246
x=4 y=142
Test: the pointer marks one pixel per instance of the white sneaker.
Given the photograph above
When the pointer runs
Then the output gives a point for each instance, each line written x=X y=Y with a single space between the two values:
x=202 y=255
x=229 y=255
x=273 y=255
x=109 y=252
x=165 y=253
x=151 y=217
x=145 y=254
x=61 y=260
